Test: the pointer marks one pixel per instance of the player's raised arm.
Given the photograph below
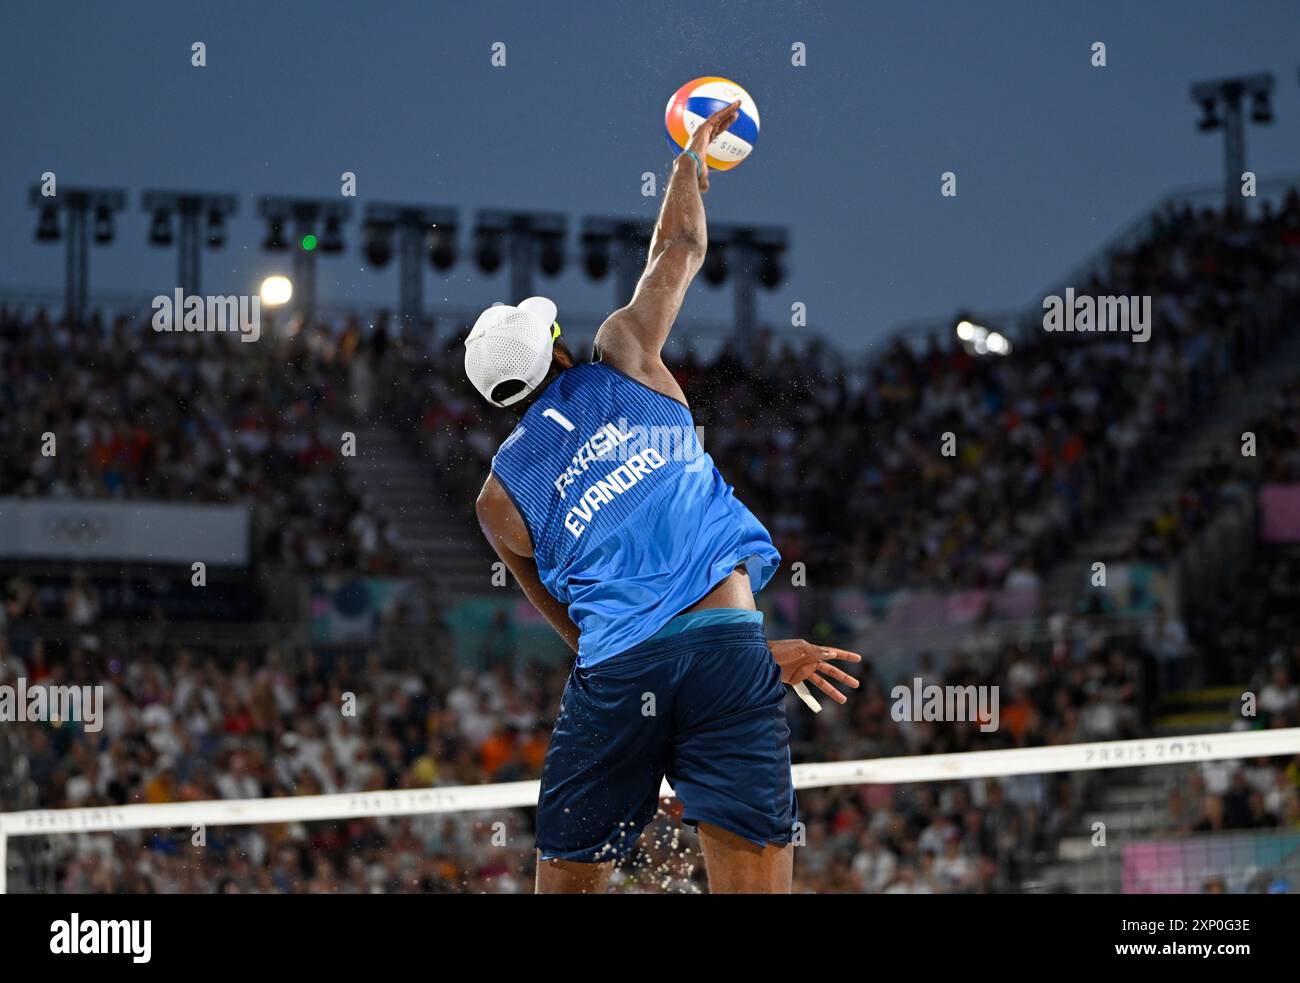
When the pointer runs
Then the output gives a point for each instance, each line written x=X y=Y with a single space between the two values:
x=632 y=338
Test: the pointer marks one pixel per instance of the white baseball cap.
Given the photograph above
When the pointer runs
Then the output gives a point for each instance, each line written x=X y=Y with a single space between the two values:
x=511 y=344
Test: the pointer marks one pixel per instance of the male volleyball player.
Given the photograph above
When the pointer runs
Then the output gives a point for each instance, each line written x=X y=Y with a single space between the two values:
x=647 y=565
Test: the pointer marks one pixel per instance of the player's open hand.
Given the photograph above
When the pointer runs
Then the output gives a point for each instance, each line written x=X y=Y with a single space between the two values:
x=802 y=661
x=704 y=135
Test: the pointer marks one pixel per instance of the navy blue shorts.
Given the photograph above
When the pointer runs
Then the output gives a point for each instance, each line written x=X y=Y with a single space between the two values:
x=706 y=708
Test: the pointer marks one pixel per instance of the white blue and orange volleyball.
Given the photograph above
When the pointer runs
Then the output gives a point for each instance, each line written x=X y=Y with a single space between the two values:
x=699 y=99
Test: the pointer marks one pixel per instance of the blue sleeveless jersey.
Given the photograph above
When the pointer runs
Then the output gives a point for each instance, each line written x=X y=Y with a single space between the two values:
x=629 y=519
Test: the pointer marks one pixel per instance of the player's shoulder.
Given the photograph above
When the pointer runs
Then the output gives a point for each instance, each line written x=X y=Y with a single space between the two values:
x=514 y=437
x=493 y=500
x=643 y=368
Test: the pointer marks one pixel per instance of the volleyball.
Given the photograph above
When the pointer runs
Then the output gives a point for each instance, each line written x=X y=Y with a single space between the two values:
x=699 y=99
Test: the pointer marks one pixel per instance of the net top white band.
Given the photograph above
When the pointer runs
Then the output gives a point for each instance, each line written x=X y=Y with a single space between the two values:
x=508 y=795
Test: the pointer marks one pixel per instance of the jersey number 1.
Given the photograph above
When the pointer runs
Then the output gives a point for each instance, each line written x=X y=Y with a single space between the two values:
x=558 y=417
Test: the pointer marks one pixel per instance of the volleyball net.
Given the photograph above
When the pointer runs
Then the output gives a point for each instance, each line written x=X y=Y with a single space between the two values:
x=904 y=770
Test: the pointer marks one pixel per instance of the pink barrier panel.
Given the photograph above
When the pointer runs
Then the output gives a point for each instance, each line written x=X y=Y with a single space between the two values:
x=1279 y=513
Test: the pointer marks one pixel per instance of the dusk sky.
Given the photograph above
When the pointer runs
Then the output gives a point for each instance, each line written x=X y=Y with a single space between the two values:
x=1052 y=155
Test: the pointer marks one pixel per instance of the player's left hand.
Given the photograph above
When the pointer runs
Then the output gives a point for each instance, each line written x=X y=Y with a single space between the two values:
x=803 y=661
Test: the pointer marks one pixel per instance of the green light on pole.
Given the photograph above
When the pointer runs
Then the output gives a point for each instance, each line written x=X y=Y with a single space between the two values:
x=309 y=242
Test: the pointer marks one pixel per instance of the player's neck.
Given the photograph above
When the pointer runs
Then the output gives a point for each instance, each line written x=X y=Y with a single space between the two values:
x=521 y=407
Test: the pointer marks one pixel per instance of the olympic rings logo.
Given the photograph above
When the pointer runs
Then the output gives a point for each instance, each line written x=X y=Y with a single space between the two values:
x=71 y=527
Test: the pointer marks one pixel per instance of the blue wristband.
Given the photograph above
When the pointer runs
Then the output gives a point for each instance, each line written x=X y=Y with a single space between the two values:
x=699 y=164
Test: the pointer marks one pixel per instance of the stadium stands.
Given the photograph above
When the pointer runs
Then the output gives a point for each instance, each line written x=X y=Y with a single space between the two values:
x=845 y=466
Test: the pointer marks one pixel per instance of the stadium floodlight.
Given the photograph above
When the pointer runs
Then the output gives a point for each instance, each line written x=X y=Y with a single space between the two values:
x=377 y=243
x=1261 y=109
x=307 y=214
x=442 y=246
x=202 y=219
x=487 y=250
x=552 y=258
x=276 y=290
x=714 y=269
x=47 y=228
x=765 y=246
x=90 y=214
x=1209 y=121
x=770 y=270
x=748 y=255
x=531 y=240
x=160 y=228
x=216 y=228
x=421 y=231
x=979 y=340
x=331 y=240
x=275 y=241
x=104 y=229
x=1220 y=101
x=595 y=254
x=620 y=244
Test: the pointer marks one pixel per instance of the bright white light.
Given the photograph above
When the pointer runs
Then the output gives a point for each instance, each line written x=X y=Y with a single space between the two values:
x=965 y=331
x=981 y=346
x=998 y=345
x=276 y=290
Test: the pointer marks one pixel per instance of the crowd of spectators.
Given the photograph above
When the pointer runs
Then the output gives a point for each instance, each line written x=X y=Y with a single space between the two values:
x=1250 y=626
x=176 y=730
x=1253 y=627
x=845 y=460
x=1271 y=456
x=1235 y=625
x=1222 y=796
x=846 y=463
x=177 y=727
x=133 y=414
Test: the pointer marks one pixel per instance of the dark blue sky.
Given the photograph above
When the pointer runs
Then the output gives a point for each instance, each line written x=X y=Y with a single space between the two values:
x=1052 y=156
